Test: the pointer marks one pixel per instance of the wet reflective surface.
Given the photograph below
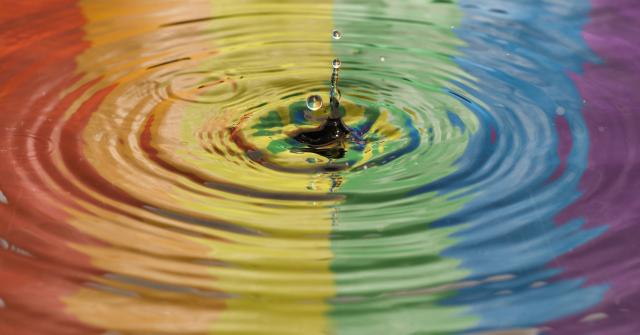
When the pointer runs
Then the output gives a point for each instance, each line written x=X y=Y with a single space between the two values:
x=151 y=181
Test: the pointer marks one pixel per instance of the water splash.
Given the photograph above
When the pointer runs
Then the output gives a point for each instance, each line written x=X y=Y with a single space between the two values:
x=330 y=140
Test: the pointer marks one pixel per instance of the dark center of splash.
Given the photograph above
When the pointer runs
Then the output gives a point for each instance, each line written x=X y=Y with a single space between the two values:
x=328 y=140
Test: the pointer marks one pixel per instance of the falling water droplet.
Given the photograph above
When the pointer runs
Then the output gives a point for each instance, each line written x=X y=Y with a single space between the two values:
x=314 y=102
x=382 y=59
x=336 y=34
x=336 y=63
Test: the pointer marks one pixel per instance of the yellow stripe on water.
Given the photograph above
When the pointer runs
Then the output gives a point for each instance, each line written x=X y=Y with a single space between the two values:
x=268 y=270
x=287 y=293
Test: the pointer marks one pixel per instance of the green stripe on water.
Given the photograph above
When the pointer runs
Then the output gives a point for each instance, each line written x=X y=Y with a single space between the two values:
x=388 y=271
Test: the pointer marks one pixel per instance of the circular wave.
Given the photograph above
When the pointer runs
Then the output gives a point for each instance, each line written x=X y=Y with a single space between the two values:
x=154 y=172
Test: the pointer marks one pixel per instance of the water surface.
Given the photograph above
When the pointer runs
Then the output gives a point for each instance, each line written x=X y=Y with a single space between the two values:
x=150 y=183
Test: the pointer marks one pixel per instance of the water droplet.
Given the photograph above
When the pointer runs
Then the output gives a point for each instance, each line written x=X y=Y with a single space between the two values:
x=601 y=129
x=336 y=34
x=314 y=102
x=2 y=303
x=560 y=110
x=336 y=63
x=382 y=59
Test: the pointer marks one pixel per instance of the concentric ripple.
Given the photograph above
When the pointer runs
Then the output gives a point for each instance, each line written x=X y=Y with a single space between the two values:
x=152 y=183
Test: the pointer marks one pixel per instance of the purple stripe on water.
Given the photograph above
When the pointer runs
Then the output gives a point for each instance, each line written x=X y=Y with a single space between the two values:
x=611 y=184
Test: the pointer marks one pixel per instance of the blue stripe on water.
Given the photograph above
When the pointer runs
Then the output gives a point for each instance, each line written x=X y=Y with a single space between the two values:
x=521 y=60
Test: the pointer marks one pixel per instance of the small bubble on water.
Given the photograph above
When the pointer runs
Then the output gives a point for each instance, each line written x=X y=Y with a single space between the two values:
x=538 y=284
x=336 y=63
x=601 y=129
x=336 y=34
x=595 y=317
x=560 y=110
x=382 y=59
x=314 y=102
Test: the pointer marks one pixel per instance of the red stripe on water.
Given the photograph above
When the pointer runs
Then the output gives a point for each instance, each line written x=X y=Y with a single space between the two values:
x=40 y=40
